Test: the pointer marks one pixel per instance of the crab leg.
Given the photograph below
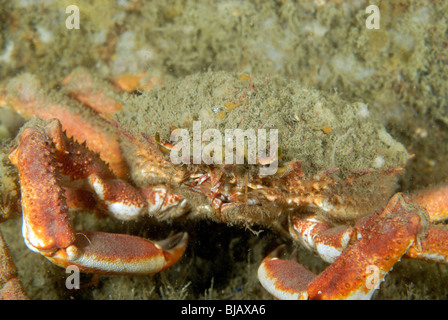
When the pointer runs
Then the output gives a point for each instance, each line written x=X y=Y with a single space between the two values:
x=43 y=155
x=25 y=95
x=433 y=248
x=134 y=82
x=435 y=201
x=329 y=242
x=125 y=202
x=319 y=236
x=83 y=168
x=84 y=88
x=383 y=239
x=10 y=286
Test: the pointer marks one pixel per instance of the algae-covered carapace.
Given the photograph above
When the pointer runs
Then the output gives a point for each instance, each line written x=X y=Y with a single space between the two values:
x=356 y=146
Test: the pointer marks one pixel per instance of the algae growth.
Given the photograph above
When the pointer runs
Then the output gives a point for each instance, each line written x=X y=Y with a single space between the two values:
x=321 y=130
x=395 y=76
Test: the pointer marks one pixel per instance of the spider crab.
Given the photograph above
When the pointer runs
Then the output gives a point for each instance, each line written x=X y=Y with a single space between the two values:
x=358 y=235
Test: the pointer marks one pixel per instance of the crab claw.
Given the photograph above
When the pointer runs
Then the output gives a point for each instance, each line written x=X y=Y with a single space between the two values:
x=107 y=253
x=284 y=279
x=381 y=241
x=46 y=159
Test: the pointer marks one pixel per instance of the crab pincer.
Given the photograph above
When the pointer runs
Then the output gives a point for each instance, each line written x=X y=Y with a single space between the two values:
x=378 y=242
x=107 y=253
x=48 y=162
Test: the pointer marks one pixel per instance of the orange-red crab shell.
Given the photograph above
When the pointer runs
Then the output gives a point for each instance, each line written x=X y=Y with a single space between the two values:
x=48 y=162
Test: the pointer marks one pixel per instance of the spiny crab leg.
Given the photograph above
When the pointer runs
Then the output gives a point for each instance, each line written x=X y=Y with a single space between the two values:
x=43 y=156
x=382 y=240
x=10 y=286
